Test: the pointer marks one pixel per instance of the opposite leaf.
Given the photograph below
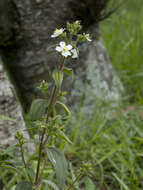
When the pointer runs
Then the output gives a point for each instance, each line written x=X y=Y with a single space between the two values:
x=68 y=71
x=64 y=107
x=60 y=164
x=63 y=135
x=38 y=108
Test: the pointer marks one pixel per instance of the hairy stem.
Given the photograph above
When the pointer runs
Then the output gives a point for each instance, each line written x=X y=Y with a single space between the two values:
x=42 y=143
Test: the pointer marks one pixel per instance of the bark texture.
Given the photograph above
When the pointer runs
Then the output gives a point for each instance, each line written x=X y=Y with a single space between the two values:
x=9 y=107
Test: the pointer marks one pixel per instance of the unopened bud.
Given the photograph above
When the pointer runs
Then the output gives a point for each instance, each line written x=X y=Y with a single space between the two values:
x=44 y=86
x=19 y=137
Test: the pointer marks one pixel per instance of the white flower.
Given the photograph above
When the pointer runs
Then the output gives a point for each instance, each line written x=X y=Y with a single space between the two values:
x=64 y=49
x=74 y=53
x=87 y=36
x=57 y=32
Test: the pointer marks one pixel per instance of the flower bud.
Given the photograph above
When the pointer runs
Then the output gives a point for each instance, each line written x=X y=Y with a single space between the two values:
x=19 y=137
x=44 y=86
x=80 y=37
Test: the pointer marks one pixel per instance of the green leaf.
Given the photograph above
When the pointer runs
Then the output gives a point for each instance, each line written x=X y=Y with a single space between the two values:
x=2 y=117
x=120 y=181
x=38 y=108
x=23 y=185
x=89 y=185
x=12 y=168
x=106 y=156
x=63 y=135
x=10 y=150
x=68 y=71
x=60 y=164
x=51 y=184
x=64 y=107
x=58 y=78
x=31 y=172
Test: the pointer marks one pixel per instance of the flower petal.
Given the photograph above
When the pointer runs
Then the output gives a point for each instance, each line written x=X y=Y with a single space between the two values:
x=62 y=44
x=69 y=47
x=88 y=39
x=75 y=54
x=62 y=30
x=87 y=36
x=66 y=53
x=58 y=48
x=53 y=36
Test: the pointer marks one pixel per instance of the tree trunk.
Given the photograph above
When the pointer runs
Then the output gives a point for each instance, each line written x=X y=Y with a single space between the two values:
x=25 y=41
x=9 y=107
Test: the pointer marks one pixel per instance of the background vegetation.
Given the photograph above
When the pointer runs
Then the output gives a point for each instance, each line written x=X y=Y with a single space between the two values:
x=122 y=34
x=114 y=147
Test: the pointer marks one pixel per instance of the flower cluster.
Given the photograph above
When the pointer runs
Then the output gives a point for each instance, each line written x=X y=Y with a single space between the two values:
x=67 y=48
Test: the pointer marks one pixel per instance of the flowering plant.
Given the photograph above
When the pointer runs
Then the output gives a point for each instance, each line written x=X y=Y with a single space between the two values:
x=70 y=49
x=47 y=124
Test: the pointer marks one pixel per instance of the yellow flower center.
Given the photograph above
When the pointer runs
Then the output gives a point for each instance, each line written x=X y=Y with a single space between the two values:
x=65 y=48
x=57 y=31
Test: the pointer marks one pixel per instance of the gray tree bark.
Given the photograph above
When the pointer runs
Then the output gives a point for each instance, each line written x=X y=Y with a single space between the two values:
x=26 y=27
x=9 y=107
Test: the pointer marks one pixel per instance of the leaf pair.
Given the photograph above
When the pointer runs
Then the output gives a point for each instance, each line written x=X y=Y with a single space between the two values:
x=39 y=106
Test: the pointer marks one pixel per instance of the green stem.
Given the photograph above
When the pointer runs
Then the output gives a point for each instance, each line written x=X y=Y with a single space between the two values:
x=42 y=143
x=24 y=162
x=43 y=134
x=39 y=156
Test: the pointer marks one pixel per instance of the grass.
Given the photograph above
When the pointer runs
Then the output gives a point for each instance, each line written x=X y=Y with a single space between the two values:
x=114 y=147
x=122 y=34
